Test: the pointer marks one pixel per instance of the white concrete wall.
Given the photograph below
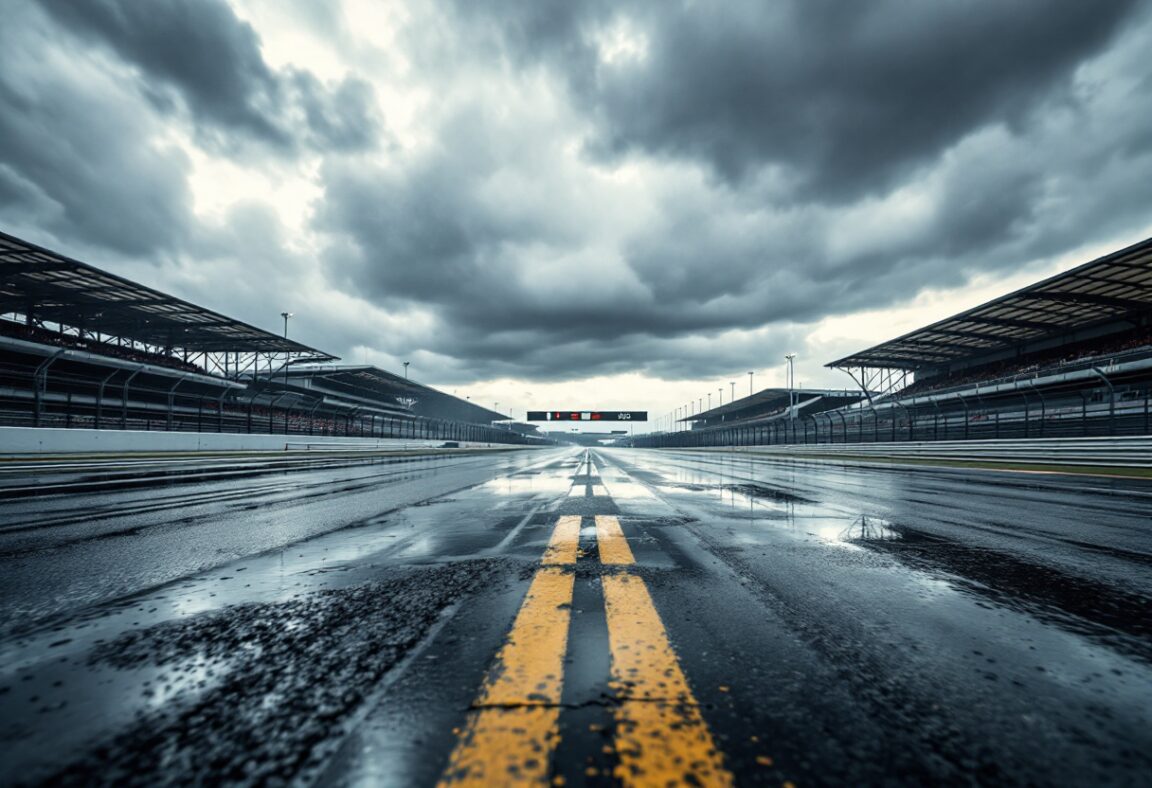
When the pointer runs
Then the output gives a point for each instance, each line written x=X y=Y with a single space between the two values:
x=33 y=440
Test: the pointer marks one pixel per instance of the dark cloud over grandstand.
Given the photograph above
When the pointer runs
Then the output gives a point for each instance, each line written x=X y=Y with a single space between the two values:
x=557 y=190
x=78 y=157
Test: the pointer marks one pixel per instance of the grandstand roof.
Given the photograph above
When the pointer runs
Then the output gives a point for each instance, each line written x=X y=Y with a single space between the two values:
x=373 y=382
x=66 y=291
x=1104 y=289
x=765 y=399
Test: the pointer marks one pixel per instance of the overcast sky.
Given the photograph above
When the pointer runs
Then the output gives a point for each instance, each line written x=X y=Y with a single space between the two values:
x=599 y=204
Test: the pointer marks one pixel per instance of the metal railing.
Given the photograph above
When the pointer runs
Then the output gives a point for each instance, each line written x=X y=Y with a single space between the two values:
x=1120 y=451
x=38 y=398
x=1025 y=415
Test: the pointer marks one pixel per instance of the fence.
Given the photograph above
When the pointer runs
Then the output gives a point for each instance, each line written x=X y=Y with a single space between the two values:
x=1078 y=414
x=124 y=401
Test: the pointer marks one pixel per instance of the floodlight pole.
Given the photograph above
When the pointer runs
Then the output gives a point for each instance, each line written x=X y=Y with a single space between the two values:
x=406 y=370
x=791 y=378
x=287 y=355
x=749 y=383
x=709 y=400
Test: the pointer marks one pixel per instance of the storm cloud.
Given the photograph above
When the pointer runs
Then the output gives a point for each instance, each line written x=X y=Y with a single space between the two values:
x=78 y=160
x=204 y=54
x=845 y=98
x=807 y=159
x=567 y=190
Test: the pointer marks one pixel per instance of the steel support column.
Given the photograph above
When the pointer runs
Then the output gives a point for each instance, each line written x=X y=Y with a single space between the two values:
x=1111 y=400
x=40 y=385
x=100 y=396
x=1043 y=408
x=124 y=400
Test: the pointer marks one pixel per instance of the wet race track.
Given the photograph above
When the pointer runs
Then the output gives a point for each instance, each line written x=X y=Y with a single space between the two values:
x=568 y=617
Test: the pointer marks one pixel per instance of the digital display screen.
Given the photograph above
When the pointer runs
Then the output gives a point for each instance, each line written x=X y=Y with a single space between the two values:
x=587 y=415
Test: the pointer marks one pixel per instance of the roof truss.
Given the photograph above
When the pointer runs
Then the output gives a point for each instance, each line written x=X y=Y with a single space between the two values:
x=1103 y=290
x=43 y=286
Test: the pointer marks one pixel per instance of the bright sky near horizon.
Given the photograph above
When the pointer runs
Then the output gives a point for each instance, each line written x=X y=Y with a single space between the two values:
x=593 y=205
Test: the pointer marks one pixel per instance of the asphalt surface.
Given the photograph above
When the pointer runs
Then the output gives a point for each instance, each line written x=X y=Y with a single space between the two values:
x=557 y=616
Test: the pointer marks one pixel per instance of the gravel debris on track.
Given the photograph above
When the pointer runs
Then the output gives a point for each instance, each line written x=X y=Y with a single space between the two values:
x=293 y=674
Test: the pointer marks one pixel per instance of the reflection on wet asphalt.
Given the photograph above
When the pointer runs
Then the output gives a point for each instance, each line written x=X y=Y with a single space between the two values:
x=339 y=623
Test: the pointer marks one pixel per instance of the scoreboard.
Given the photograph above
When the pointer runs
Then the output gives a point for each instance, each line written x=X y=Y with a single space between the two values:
x=587 y=415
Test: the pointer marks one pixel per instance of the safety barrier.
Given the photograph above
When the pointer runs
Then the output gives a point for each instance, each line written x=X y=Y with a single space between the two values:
x=1119 y=451
x=27 y=441
x=395 y=445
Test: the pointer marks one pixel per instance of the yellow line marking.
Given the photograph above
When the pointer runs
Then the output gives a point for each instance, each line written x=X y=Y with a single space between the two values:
x=532 y=661
x=564 y=545
x=511 y=733
x=610 y=539
x=505 y=747
x=510 y=737
x=661 y=738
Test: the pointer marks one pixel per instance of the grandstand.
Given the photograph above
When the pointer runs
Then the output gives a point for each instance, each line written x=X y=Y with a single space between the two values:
x=770 y=405
x=373 y=394
x=81 y=347
x=1068 y=356
x=1101 y=308
x=390 y=393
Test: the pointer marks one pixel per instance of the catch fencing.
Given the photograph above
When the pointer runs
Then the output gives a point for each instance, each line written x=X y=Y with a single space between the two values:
x=1081 y=415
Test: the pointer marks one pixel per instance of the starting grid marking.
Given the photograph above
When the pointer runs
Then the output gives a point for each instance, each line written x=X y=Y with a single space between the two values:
x=513 y=728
